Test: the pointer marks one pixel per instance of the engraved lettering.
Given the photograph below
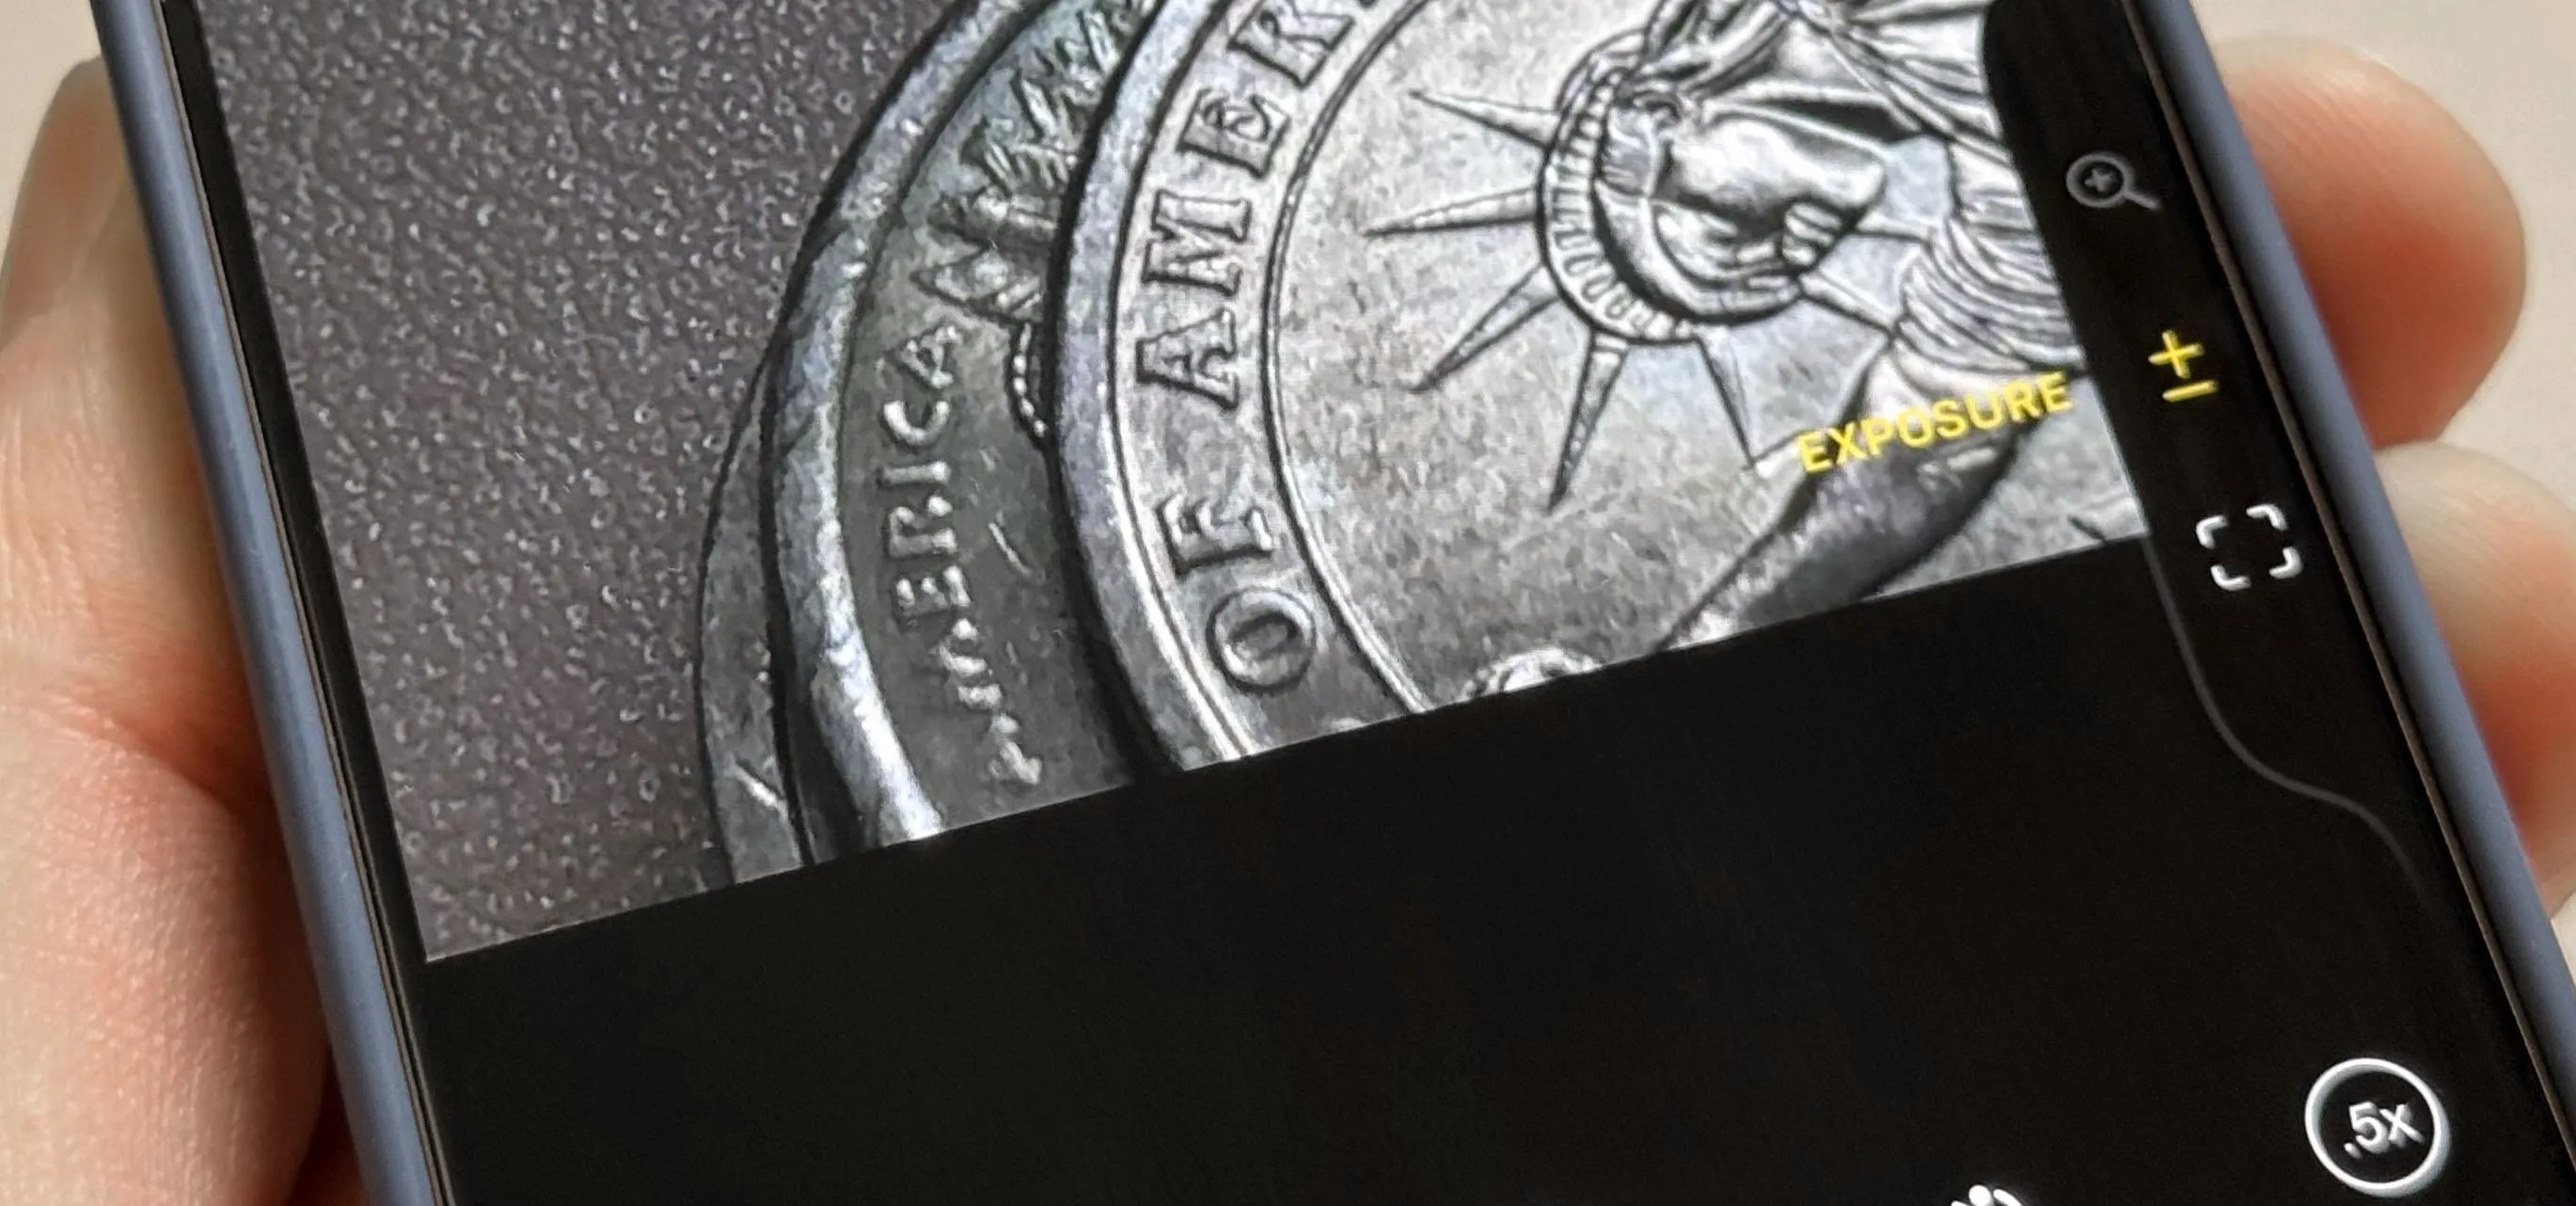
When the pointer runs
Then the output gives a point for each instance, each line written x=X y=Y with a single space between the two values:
x=960 y=658
x=1011 y=762
x=969 y=676
x=1264 y=639
x=925 y=356
x=1198 y=358
x=915 y=432
x=1289 y=38
x=898 y=477
x=922 y=533
x=1245 y=133
x=1199 y=537
x=1188 y=246
x=943 y=593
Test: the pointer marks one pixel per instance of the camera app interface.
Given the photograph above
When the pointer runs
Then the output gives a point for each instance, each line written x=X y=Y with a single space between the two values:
x=1461 y=363
x=1499 y=601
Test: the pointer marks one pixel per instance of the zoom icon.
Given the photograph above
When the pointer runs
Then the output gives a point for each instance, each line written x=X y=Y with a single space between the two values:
x=2378 y=1128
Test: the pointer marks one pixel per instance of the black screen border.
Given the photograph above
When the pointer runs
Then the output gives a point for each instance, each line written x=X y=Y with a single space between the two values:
x=356 y=898
x=2339 y=465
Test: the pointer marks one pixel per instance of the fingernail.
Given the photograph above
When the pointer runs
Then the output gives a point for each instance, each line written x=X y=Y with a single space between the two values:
x=73 y=174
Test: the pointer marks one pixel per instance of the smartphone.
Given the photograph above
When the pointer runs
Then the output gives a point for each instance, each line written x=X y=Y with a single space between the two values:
x=1517 y=602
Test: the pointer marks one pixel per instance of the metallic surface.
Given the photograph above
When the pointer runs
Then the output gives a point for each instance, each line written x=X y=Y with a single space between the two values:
x=918 y=545
x=368 y=1056
x=1383 y=388
x=747 y=778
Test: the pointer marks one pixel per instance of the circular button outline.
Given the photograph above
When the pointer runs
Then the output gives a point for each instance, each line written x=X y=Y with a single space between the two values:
x=2408 y=1185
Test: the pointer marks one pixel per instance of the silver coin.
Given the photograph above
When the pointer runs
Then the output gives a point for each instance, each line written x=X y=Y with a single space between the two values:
x=756 y=819
x=1419 y=350
x=928 y=591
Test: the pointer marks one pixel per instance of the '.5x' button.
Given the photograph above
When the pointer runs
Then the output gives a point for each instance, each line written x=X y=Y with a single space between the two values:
x=2378 y=1128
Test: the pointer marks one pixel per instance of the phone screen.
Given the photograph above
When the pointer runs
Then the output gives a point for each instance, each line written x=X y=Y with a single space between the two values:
x=1497 y=601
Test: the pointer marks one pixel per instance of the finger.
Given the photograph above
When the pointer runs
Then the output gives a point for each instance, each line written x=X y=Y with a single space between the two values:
x=2498 y=555
x=111 y=601
x=2408 y=234
x=159 y=1032
x=72 y=175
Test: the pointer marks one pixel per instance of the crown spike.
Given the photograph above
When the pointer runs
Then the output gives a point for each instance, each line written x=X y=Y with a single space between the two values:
x=1717 y=346
x=1601 y=369
x=1501 y=209
x=1536 y=127
x=1534 y=294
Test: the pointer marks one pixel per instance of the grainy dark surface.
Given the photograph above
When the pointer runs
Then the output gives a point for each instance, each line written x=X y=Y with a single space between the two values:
x=522 y=258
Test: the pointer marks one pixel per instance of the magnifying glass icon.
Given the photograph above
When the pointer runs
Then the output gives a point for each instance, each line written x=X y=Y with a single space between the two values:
x=2103 y=180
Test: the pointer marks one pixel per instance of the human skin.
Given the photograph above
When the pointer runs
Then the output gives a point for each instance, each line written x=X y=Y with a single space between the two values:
x=160 y=1036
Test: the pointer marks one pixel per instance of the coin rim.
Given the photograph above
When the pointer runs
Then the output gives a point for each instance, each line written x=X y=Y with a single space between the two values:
x=811 y=369
x=1106 y=528
x=758 y=839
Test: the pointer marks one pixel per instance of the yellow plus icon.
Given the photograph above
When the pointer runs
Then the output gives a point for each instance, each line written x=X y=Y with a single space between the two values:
x=2178 y=357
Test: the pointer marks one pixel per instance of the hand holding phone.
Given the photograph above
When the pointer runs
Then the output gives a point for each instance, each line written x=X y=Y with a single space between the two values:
x=95 y=668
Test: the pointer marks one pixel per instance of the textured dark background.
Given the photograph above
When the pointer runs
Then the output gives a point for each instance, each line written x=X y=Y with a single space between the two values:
x=523 y=257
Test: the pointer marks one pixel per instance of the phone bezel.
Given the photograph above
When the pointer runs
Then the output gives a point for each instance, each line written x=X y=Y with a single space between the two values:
x=356 y=897
x=2425 y=687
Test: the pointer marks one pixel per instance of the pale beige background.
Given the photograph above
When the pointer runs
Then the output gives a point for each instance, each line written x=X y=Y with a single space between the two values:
x=2508 y=67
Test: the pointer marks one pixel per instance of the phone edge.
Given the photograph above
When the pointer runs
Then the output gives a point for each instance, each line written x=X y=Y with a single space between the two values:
x=2518 y=927
x=352 y=965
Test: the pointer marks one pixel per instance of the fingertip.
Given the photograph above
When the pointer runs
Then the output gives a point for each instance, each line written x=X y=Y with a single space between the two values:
x=2497 y=552
x=2465 y=510
x=72 y=175
x=2408 y=232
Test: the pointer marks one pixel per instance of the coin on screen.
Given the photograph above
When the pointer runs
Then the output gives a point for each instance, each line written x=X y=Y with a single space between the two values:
x=757 y=819
x=1418 y=351
x=928 y=595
